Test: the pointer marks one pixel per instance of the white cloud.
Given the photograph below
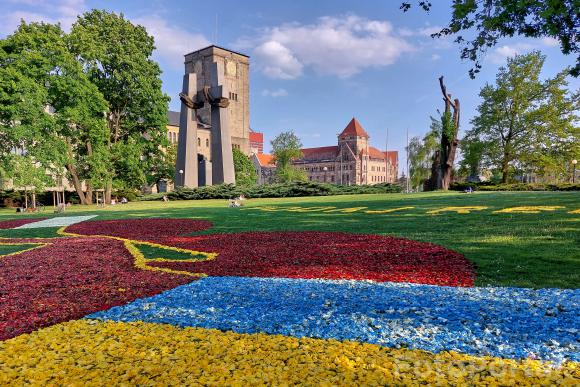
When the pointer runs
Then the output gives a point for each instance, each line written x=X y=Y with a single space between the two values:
x=171 y=42
x=428 y=31
x=500 y=54
x=278 y=61
x=435 y=57
x=550 y=42
x=274 y=93
x=339 y=46
x=64 y=12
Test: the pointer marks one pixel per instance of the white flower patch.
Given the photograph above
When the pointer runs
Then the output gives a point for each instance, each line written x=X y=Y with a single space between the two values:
x=57 y=222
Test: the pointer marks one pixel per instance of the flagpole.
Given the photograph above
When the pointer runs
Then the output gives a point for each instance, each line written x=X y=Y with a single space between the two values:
x=408 y=175
x=387 y=157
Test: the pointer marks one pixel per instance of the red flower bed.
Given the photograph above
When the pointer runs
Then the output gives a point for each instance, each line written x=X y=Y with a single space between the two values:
x=70 y=278
x=6 y=224
x=140 y=229
x=325 y=255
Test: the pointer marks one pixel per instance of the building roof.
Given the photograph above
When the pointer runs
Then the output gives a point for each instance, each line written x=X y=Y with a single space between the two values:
x=173 y=118
x=320 y=153
x=221 y=48
x=256 y=136
x=380 y=155
x=265 y=159
x=354 y=128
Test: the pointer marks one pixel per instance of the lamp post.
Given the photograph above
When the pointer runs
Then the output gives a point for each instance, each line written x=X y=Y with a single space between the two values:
x=181 y=176
x=325 y=169
x=574 y=162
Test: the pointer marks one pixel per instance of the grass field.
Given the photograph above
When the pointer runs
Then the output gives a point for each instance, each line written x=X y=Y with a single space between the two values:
x=510 y=249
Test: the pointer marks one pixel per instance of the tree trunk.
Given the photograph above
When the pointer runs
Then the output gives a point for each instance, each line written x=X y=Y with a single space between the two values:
x=505 y=169
x=77 y=183
x=108 y=191
x=441 y=177
x=89 y=194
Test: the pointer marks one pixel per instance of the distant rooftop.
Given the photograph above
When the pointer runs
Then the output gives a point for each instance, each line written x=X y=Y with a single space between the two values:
x=221 y=48
x=354 y=128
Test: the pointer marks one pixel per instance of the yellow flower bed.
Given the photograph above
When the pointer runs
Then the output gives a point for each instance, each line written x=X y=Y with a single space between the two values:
x=574 y=211
x=388 y=211
x=459 y=210
x=36 y=246
x=87 y=352
x=527 y=209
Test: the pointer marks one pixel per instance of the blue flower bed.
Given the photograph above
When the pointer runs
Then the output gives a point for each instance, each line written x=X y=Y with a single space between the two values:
x=505 y=322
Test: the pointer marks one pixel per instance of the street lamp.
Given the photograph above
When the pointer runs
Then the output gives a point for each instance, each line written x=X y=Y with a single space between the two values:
x=181 y=174
x=574 y=162
x=325 y=169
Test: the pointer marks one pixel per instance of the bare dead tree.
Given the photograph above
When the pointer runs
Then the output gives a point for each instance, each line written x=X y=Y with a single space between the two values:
x=449 y=141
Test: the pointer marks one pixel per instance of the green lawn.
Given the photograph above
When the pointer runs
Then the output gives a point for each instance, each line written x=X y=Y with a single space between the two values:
x=509 y=249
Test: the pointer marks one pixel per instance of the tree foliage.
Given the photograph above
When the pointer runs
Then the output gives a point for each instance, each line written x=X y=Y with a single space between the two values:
x=496 y=19
x=525 y=123
x=472 y=151
x=87 y=104
x=246 y=174
x=421 y=153
x=286 y=148
x=50 y=108
x=116 y=56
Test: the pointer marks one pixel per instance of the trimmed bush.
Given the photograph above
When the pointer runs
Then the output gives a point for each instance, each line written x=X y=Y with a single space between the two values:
x=515 y=187
x=228 y=191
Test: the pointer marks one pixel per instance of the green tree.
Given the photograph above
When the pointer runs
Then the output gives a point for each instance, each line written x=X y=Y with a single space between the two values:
x=163 y=166
x=52 y=110
x=496 y=19
x=245 y=172
x=421 y=153
x=116 y=56
x=472 y=151
x=523 y=119
x=286 y=148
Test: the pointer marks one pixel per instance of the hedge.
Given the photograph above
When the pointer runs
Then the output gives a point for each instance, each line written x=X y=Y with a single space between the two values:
x=515 y=187
x=228 y=191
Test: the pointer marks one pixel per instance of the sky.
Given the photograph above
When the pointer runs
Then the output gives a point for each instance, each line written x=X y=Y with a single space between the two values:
x=315 y=64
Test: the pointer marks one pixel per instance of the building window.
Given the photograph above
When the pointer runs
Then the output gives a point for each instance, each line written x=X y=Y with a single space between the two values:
x=207 y=142
x=198 y=141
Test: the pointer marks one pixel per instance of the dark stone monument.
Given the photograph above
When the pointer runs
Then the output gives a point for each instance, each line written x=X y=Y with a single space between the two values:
x=220 y=169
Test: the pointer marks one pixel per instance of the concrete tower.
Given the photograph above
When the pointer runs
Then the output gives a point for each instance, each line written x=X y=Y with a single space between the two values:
x=236 y=68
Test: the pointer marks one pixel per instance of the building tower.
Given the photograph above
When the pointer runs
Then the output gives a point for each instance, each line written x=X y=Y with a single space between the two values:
x=236 y=68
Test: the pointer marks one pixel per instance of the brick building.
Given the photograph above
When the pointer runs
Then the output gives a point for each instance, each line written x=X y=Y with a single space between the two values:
x=265 y=167
x=353 y=161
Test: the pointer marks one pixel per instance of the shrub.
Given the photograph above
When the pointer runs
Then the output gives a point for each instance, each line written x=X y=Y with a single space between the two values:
x=130 y=194
x=228 y=191
x=515 y=187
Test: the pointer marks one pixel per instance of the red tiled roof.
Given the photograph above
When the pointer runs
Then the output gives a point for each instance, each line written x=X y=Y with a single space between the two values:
x=354 y=128
x=379 y=154
x=256 y=137
x=265 y=159
x=320 y=153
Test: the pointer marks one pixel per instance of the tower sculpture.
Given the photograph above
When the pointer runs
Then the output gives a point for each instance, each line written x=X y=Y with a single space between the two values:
x=190 y=170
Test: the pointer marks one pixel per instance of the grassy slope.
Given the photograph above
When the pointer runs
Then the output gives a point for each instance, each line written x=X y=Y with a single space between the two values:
x=530 y=250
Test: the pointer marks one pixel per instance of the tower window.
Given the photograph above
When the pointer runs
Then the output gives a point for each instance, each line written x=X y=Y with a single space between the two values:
x=198 y=141
x=207 y=142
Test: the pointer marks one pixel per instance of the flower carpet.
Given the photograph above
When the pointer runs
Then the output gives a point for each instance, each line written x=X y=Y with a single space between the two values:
x=146 y=301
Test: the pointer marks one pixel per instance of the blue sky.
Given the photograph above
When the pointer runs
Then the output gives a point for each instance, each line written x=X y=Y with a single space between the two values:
x=314 y=64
